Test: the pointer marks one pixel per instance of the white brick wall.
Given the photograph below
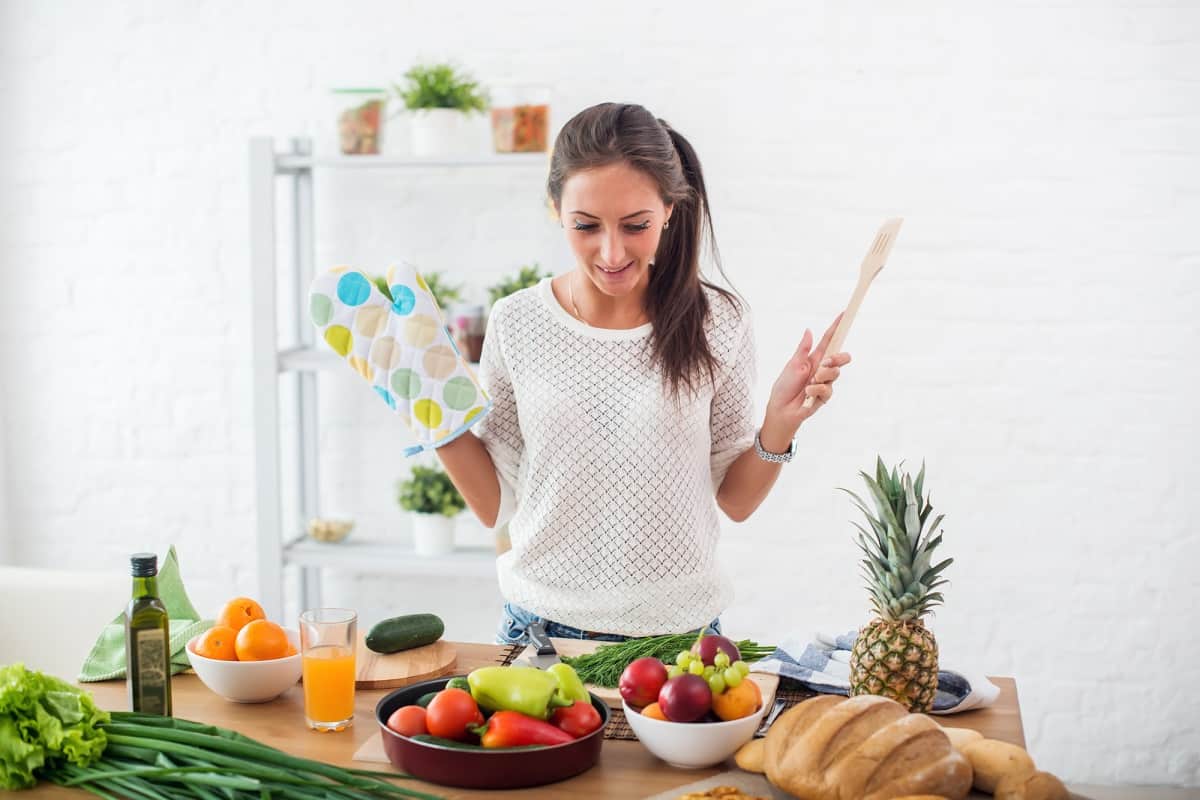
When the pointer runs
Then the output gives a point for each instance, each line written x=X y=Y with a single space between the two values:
x=1034 y=338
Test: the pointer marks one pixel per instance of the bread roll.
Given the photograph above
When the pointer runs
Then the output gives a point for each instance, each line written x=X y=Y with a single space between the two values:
x=1031 y=786
x=961 y=737
x=862 y=748
x=993 y=760
x=750 y=756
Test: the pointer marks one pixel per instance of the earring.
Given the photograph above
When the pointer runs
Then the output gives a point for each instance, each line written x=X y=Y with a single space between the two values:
x=666 y=224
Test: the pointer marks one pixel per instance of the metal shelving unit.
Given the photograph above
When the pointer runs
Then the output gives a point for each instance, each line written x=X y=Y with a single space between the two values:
x=277 y=547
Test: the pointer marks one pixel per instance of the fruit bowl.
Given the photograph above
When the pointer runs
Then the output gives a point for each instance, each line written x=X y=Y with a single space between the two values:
x=691 y=745
x=484 y=769
x=248 y=681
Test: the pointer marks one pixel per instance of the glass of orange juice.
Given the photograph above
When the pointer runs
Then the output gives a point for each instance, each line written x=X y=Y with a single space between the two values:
x=328 y=639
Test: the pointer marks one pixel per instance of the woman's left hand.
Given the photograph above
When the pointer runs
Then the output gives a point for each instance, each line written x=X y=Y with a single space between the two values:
x=808 y=373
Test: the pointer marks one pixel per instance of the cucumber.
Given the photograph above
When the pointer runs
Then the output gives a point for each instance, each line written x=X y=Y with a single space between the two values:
x=425 y=738
x=404 y=633
x=458 y=683
x=424 y=700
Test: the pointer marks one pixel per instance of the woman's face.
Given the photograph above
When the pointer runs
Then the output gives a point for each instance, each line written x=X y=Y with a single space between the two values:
x=613 y=217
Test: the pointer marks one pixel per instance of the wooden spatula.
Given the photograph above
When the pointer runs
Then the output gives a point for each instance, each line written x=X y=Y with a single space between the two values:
x=871 y=265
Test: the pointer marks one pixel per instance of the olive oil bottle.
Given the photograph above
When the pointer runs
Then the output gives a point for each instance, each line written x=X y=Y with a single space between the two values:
x=147 y=641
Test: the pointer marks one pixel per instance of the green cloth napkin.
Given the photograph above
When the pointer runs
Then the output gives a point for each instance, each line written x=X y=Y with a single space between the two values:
x=107 y=659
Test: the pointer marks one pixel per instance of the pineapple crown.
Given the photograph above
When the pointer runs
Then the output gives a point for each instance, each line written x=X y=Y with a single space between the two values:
x=899 y=547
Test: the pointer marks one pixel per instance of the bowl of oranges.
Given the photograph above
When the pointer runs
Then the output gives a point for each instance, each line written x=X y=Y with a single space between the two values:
x=245 y=657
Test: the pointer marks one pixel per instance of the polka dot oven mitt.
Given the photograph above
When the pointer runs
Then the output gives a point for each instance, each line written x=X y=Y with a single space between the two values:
x=402 y=348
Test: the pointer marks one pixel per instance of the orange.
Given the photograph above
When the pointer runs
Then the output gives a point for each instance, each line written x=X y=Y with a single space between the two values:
x=740 y=701
x=261 y=640
x=239 y=611
x=217 y=643
x=654 y=712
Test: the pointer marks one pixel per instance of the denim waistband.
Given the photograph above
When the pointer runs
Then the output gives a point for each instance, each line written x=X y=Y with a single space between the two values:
x=515 y=622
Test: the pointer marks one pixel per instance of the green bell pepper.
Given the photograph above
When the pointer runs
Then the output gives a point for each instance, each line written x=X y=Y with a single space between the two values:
x=530 y=691
x=569 y=684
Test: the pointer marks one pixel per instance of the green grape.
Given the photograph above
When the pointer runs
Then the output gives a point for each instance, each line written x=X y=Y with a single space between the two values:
x=742 y=667
x=710 y=671
x=732 y=677
x=696 y=668
x=721 y=659
x=716 y=683
x=674 y=671
x=684 y=658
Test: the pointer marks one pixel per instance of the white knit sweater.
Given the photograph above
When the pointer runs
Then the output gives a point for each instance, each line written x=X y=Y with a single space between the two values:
x=608 y=483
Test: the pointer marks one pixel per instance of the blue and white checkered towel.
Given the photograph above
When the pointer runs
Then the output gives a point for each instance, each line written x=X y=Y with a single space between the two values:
x=822 y=662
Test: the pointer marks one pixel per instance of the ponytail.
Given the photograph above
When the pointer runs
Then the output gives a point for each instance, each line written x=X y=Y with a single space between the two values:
x=675 y=298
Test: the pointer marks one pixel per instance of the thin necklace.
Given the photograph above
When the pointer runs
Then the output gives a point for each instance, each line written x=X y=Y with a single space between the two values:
x=571 y=295
x=574 y=307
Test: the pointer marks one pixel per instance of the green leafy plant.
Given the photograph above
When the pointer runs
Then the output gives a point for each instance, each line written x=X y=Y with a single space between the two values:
x=381 y=284
x=445 y=293
x=44 y=719
x=430 y=491
x=440 y=86
x=528 y=276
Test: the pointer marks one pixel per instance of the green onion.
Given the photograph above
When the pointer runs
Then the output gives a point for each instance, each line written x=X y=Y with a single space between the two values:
x=162 y=758
x=604 y=667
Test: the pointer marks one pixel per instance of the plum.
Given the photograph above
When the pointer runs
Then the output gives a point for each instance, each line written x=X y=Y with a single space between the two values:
x=708 y=646
x=685 y=698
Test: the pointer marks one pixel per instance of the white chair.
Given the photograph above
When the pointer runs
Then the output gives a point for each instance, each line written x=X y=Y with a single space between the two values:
x=49 y=619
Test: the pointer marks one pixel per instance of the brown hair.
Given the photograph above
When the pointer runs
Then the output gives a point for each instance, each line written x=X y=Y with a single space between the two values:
x=675 y=301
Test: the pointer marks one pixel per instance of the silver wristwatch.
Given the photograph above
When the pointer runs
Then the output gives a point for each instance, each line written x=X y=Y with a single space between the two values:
x=775 y=458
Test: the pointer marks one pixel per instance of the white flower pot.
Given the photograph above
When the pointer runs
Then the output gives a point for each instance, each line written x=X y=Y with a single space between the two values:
x=439 y=132
x=433 y=534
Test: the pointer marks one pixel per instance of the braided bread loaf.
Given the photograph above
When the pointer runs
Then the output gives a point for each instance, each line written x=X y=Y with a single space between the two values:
x=862 y=748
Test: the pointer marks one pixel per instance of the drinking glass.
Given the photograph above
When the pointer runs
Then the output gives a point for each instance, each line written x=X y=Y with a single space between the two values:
x=328 y=640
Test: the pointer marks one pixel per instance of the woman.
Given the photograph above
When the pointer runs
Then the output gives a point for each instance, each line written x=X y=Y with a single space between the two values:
x=622 y=400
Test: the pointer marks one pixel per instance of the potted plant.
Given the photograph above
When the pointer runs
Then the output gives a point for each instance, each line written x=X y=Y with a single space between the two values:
x=434 y=502
x=439 y=98
x=446 y=294
x=528 y=276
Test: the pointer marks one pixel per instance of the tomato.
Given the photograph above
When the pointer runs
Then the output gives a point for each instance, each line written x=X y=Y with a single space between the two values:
x=408 y=721
x=449 y=714
x=578 y=720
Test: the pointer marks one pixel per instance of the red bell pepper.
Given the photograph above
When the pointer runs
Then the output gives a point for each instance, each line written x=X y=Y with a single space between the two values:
x=514 y=729
x=578 y=720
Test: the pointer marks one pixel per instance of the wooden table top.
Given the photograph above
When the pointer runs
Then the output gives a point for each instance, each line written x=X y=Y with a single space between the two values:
x=625 y=770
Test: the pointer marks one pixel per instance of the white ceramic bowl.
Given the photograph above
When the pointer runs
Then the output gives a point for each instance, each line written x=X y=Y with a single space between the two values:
x=248 y=681
x=691 y=745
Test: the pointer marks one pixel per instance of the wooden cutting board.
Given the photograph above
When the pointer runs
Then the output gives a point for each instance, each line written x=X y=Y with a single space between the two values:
x=377 y=671
x=757 y=785
x=577 y=647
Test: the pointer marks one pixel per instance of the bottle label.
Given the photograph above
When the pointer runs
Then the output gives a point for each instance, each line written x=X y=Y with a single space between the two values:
x=153 y=671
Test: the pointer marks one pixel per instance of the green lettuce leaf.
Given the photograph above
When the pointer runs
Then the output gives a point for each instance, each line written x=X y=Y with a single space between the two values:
x=44 y=720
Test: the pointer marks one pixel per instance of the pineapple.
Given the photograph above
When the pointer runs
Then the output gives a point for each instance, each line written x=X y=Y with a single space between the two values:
x=895 y=655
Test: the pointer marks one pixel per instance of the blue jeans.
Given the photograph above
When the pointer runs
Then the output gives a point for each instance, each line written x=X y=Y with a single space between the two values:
x=515 y=622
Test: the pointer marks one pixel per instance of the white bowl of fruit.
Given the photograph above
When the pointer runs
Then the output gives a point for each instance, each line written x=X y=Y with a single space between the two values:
x=696 y=712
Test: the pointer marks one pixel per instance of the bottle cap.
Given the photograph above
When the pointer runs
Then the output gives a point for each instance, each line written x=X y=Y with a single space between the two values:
x=145 y=565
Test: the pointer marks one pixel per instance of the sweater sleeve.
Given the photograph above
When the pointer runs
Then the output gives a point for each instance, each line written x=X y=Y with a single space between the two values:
x=500 y=429
x=732 y=415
